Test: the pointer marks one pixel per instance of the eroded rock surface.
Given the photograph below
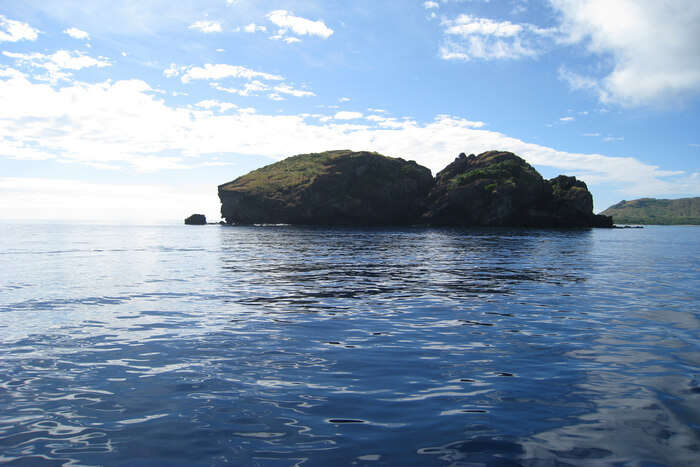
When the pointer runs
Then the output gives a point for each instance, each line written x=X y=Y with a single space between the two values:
x=495 y=188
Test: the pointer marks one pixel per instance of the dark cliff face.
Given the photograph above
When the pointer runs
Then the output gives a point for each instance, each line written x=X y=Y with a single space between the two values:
x=361 y=188
x=572 y=204
x=330 y=188
x=498 y=188
x=492 y=189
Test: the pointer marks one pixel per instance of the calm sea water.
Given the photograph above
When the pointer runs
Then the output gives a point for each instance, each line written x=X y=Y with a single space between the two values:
x=175 y=345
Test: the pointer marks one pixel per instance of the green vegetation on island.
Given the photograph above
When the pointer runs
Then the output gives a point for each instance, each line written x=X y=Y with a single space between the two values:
x=650 y=211
x=330 y=188
x=344 y=187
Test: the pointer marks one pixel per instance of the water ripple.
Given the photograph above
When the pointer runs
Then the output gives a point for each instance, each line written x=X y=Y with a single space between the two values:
x=306 y=346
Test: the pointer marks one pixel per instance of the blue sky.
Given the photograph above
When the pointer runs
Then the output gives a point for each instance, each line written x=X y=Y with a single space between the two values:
x=134 y=111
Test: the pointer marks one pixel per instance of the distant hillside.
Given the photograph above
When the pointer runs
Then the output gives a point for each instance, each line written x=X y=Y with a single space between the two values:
x=656 y=211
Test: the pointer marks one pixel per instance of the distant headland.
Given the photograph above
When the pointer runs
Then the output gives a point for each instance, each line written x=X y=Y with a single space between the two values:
x=343 y=187
x=650 y=211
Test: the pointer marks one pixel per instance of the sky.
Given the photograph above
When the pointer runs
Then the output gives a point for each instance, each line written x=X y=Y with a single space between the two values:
x=134 y=111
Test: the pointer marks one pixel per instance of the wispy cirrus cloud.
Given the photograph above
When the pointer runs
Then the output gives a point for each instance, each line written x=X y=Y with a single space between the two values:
x=468 y=37
x=256 y=81
x=217 y=71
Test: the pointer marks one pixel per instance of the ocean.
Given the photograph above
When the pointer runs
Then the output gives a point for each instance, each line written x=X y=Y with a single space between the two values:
x=217 y=345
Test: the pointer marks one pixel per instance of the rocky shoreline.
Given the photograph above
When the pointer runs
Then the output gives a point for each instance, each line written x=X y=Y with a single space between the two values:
x=495 y=188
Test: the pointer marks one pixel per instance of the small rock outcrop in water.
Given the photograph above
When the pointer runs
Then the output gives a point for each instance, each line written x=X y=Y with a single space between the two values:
x=196 y=219
x=329 y=188
x=361 y=188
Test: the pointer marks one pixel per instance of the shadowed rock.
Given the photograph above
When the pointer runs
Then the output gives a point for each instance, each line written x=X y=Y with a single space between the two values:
x=495 y=188
x=492 y=189
x=196 y=219
x=329 y=188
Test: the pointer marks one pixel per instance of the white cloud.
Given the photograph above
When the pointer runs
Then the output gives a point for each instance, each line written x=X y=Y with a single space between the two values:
x=214 y=104
x=577 y=81
x=218 y=71
x=430 y=4
x=389 y=122
x=87 y=123
x=124 y=124
x=56 y=63
x=252 y=28
x=344 y=99
x=654 y=46
x=286 y=89
x=206 y=26
x=465 y=25
x=468 y=37
x=256 y=86
x=567 y=119
x=14 y=31
x=172 y=71
x=345 y=115
x=298 y=25
x=76 y=33
x=485 y=48
x=250 y=88
x=291 y=40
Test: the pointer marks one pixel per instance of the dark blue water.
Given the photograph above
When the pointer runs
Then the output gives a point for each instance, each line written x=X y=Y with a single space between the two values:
x=176 y=345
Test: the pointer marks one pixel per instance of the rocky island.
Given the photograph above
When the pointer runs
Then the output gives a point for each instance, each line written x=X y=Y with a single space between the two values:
x=495 y=188
x=196 y=219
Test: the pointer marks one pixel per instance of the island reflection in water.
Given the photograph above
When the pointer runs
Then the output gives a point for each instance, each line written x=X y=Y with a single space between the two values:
x=281 y=345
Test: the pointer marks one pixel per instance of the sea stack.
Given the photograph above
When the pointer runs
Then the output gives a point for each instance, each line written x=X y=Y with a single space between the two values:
x=196 y=219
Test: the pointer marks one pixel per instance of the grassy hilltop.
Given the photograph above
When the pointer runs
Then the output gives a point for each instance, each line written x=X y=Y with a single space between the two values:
x=329 y=188
x=656 y=211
